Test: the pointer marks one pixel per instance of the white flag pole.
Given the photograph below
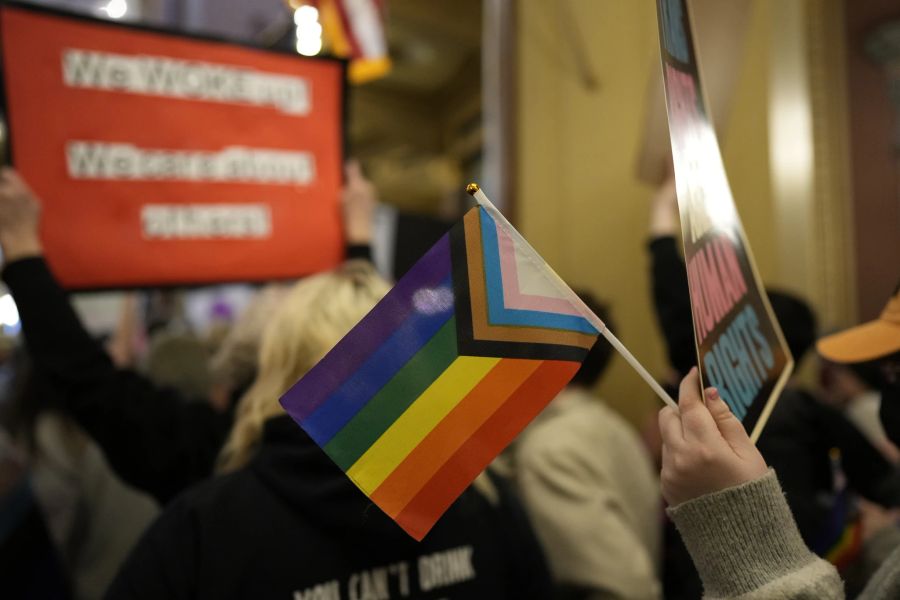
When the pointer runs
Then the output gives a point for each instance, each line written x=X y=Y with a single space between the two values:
x=561 y=286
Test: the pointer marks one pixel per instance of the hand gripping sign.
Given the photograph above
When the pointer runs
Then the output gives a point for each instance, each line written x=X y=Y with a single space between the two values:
x=163 y=159
x=741 y=349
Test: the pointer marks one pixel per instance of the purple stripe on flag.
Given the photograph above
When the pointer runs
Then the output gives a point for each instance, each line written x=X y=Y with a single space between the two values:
x=351 y=352
x=380 y=367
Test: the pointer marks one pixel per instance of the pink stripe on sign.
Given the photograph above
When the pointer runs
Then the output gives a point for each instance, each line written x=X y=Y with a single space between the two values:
x=512 y=297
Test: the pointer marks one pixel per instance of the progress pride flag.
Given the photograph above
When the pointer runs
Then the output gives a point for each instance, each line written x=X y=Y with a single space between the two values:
x=168 y=160
x=740 y=346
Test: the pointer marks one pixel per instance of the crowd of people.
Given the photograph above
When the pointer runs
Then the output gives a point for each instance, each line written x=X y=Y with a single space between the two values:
x=180 y=476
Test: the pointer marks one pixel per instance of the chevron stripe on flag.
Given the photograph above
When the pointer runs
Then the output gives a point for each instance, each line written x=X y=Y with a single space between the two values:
x=445 y=371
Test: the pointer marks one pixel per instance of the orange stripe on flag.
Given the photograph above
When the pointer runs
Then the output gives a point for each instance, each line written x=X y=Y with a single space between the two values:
x=401 y=486
x=490 y=439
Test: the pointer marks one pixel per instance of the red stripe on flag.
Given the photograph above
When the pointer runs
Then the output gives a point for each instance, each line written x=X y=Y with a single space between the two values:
x=487 y=442
x=349 y=32
x=402 y=485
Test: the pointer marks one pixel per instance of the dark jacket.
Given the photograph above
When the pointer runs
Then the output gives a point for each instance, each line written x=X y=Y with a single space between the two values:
x=672 y=303
x=291 y=525
x=796 y=441
x=151 y=437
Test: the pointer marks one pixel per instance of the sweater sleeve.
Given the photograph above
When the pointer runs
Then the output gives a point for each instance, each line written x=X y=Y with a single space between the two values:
x=745 y=544
x=672 y=303
x=152 y=438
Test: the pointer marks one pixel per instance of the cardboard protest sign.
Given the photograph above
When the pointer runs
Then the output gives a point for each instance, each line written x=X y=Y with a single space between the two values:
x=163 y=159
x=740 y=346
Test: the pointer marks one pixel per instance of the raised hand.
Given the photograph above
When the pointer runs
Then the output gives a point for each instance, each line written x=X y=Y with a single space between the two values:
x=19 y=217
x=705 y=448
x=359 y=199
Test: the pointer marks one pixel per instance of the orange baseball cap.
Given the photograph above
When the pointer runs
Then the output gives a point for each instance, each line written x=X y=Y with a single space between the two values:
x=868 y=341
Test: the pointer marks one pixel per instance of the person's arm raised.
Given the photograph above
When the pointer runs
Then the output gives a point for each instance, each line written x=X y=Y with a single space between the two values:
x=669 y=281
x=358 y=202
x=151 y=437
x=19 y=218
x=729 y=508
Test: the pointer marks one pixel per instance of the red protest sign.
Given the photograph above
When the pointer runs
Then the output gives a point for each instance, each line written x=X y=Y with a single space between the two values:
x=740 y=347
x=164 y=159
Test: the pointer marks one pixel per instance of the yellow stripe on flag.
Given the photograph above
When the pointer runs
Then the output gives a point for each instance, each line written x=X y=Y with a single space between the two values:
x=363 y=70
x=333 y=28
x=429 y=409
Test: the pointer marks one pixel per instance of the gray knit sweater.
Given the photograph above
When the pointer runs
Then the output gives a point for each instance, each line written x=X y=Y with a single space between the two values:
x=745 y=545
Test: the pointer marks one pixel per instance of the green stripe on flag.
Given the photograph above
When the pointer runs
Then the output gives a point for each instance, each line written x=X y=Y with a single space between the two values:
x=394 y=398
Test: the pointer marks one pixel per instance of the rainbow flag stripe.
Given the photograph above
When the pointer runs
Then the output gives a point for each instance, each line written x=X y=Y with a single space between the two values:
x=444 y=372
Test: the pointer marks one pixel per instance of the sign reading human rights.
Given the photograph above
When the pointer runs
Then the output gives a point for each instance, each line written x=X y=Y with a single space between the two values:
x=740 y=346
x=165 y=160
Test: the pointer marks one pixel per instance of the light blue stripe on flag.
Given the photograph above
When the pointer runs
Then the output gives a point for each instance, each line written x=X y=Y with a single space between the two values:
x=498 y=314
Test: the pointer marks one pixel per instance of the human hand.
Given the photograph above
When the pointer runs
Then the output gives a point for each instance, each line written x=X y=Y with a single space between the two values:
x=705 y=447
x=664 y=210
x=19 y=217
x=359 y=199
x=121 y=346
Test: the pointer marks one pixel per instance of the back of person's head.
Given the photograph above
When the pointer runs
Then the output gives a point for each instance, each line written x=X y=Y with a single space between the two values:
x=180 y=361
x=316 y=313
x=798 y=322
x=876 y=342
x=599 y=356
x=233 y=363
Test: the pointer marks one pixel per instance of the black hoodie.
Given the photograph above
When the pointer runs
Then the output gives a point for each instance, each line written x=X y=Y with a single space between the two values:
x=291 y=525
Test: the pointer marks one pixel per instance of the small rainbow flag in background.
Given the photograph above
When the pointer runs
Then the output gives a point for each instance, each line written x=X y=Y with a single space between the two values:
x=446 y=370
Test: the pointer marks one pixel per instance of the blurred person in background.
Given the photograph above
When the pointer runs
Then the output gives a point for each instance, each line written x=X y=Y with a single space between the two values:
x=92 y=519
x=30 y=563
x=153 y=439
x=823 y=461
x=590 y=489
x=282 y=520
x=729 y=506
x=232 y=366
x=180 y=361
x=853 y=389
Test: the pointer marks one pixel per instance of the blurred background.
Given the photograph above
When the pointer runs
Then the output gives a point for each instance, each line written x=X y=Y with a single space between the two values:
x=556 y=109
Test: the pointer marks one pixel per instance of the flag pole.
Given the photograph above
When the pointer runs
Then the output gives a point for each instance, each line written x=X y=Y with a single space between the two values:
x=628 y=356
x=475 y=191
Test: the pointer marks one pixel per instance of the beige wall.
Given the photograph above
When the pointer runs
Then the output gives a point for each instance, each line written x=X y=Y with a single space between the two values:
x=579 y=200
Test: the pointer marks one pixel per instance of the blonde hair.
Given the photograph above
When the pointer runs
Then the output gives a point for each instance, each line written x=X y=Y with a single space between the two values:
x=316 y=313
x=235 y=360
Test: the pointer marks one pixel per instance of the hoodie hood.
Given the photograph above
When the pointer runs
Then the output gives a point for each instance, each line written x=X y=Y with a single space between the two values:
x=291 y=525
x=298 y=471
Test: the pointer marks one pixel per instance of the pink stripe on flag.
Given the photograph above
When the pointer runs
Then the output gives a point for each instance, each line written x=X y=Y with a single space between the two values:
x=512 y=297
